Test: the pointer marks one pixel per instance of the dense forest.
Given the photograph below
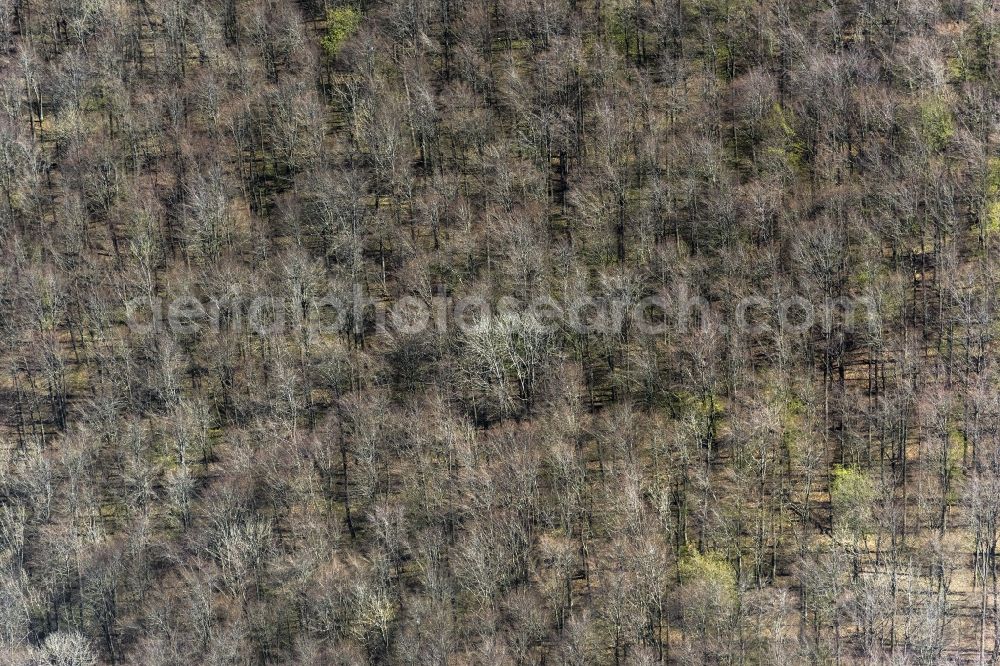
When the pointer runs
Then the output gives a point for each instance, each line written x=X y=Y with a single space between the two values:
x=499 y=332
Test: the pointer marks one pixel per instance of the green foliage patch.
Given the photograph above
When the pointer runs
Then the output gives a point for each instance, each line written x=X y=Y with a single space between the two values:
x=937 y=125
x=341 y=23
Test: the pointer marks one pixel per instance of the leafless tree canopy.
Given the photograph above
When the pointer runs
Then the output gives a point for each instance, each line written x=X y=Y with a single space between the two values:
x=499 y=332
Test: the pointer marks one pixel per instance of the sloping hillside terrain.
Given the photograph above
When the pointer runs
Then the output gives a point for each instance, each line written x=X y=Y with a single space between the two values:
x=499 y=332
